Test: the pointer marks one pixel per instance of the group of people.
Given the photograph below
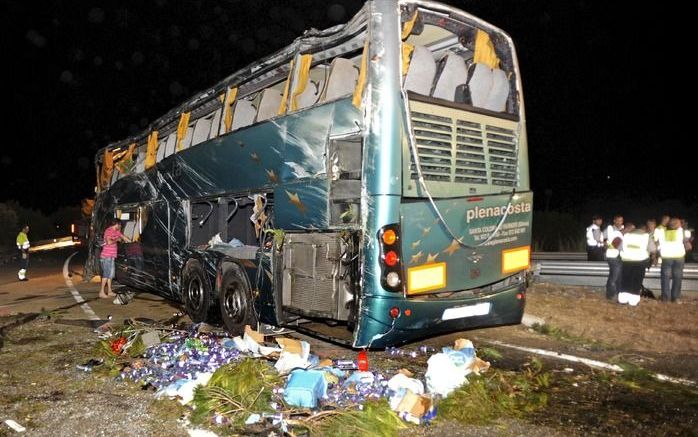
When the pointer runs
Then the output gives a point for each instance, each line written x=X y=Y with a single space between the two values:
x=630 y=250
x=112 y=235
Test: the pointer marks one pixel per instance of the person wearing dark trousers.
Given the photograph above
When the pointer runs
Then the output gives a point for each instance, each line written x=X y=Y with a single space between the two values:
x=614 y=239
x=23 y=247
x=594 y=237
x=672 y=249
x=635 y=253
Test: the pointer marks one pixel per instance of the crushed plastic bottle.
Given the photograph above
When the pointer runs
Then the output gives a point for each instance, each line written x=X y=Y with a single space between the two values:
x=345 y=364
x=362 y=362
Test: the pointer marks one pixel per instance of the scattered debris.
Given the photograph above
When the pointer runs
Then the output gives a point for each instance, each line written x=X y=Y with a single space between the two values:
x=246 y=382
x=90 y=364
x=14 y=425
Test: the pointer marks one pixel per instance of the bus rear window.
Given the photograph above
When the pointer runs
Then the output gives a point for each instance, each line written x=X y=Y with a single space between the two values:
x=457 y=63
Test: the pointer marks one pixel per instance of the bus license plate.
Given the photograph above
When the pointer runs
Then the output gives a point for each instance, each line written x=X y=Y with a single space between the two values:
x=480 y=309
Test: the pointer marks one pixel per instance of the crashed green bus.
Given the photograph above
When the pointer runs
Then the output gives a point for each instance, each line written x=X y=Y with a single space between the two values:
x=372 y=176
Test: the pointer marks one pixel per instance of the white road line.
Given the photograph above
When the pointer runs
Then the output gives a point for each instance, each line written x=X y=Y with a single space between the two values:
x=589 y=362
x=76 y=294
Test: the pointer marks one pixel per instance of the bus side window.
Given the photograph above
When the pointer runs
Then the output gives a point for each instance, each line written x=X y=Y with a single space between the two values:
x=243 y=114
x=269 y=104
x=453 y=74
x=421 y=72
x=202 y=129
x=314 y=88
x=171 y=143
x=342 y=79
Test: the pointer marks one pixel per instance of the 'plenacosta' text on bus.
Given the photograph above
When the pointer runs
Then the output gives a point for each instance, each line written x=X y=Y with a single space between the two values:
x=496 y=211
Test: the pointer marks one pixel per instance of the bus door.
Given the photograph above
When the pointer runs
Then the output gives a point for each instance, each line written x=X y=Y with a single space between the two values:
x=155 y=245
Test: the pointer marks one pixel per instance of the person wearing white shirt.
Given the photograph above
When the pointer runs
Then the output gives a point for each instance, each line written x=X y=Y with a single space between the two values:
x=594 y=237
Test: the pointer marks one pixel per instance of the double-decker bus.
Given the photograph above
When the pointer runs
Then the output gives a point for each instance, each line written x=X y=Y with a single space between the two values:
x=373 y=175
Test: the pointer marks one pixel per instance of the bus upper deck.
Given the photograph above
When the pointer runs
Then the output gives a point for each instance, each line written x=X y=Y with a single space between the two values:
x=407 y=121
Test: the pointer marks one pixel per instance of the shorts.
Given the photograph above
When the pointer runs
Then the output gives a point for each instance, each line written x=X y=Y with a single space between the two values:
x=107 y=265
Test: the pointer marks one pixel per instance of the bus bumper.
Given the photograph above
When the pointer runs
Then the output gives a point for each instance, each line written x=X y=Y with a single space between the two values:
x=419 y=317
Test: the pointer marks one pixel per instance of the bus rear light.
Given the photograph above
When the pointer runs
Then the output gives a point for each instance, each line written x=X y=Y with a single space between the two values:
x=389 y=237
x=391 y=258
x=392 y=279
x=408 y=312
x=516 y=259
x=394 y=312
x=520 y=296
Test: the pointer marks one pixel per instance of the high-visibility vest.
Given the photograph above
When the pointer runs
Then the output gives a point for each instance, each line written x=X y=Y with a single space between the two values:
x=671 y=244
x=635 y=246
x=611 y=234
x=22 y=241
x=591 y=235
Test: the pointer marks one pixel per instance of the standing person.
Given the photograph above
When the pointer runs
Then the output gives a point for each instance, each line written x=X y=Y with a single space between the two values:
x=23 y=247
x=614 y=238
x=651 y=225
x=635 y=253
x=688 y=240
x=663 y=223
x=672 y=251
x=595 y=246
x=112 y=235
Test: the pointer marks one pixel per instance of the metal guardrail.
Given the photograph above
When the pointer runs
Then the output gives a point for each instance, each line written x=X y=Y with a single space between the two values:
x=595 y=273
x=559 y=256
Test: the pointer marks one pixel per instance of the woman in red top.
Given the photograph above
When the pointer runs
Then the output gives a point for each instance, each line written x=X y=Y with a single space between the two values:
x=112 y=235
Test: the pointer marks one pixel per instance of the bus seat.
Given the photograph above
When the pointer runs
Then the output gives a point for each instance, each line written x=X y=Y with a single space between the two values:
x=216 y=124
x=162 y=145
x=453 y=74
x=188 y=136
x=269 y=104
x=171 y=144
x=421 y=72
x=479 y=84
x=202 y=129
x=314 y=88
x=243 y=114
x=342 y=79
x=499 y=92
x=140 y=159
x=129 y=228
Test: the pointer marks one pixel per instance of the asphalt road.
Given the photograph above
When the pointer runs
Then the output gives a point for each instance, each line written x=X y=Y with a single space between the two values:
x=48 y=290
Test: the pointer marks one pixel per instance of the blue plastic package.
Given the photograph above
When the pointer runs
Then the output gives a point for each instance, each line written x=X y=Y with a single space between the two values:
x=462 y=357
x=305 y=388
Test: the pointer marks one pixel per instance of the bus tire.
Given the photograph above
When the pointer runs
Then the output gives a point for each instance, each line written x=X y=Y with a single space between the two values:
x=236 y=302
x=196 y=292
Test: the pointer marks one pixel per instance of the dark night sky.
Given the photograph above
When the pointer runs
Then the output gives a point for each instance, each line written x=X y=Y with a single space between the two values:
x=602 y=82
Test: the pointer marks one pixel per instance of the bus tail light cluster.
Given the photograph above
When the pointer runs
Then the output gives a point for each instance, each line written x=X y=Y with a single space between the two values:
x=390 y=257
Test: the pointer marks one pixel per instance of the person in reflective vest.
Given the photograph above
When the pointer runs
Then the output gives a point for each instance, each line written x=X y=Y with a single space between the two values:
x=23 y=247
x=672 y=250
x=594 y=237
x=635 y=252
x=614 y=238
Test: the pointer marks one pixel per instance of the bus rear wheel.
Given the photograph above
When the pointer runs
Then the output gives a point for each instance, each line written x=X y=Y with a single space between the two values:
x=237 y=306
x=196 y=293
